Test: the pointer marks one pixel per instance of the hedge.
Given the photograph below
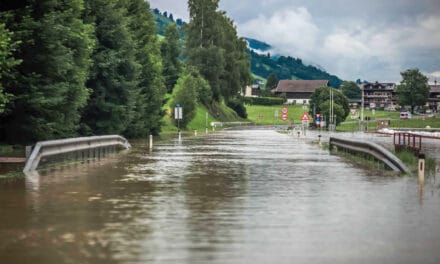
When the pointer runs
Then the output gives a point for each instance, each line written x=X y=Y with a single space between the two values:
x=264 y=100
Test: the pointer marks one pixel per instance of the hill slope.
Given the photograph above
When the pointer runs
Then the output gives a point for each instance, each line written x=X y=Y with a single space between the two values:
x=262 y=63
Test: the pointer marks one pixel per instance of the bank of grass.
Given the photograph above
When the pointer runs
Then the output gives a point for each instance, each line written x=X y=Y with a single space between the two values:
x=412 y=161
x=217 y=112
x=265 y=115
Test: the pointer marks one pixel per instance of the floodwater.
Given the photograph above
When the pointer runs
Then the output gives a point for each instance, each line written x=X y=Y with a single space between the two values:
x=230 y=197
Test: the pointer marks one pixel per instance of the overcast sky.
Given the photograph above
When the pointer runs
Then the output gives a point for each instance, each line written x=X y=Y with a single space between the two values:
x=372 y=40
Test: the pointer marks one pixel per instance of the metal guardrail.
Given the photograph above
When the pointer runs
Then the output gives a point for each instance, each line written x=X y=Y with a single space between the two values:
x=57 y=147
x=371 y=149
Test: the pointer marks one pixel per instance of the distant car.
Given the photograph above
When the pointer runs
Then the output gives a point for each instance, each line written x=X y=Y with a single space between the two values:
x=405 y=115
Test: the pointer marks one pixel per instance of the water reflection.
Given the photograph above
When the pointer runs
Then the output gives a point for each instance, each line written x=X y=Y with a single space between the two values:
x=231 y=197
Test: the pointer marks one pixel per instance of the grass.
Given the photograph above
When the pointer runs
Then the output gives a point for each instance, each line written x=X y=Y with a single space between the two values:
x=412 y=161
x=396 y=122
x=265 y=115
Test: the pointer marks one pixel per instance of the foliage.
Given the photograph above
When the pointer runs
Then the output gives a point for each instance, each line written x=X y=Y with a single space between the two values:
x=170 y=56
x=48 y=87
x=7 y=61
x=185 y=93
x=149 y=93
x=287 y=68
x=351 y=90
x=272 y=81
x=238 y=106
x=413 y=89
x=113 y=77
x=212 y=46
x=320 y=103
x=264 y=100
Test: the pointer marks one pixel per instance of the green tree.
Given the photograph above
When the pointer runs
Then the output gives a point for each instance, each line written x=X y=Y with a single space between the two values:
x=7 y=61
x=202 y=42
x=114 y=74
x=320 y=102
x=413 y=89
x=48 y=87
x=185 y=94
x=272 y=81
x=351 y=90
x=236 y=72
x=170 y=56
x=149 y=92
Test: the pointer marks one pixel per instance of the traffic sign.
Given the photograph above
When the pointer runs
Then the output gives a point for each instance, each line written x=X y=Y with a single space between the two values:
x=284 y=116
x=284 y=110
x=305 y=117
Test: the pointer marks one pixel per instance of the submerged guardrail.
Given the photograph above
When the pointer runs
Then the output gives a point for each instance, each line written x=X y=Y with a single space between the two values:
x=373 y=150
x=52 y=148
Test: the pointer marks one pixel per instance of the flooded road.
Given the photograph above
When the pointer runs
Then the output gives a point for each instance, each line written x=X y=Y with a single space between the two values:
x=230 y=197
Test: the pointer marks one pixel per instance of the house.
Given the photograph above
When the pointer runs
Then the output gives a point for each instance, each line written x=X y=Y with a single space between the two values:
x=434 y=97
x=299 y=91
x=379 y=95
x=252 y=91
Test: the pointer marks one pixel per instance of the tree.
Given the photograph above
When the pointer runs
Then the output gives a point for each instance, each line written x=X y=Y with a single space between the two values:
x=48 y=87
x=7 y=61
x=150 y=90
x=320 y=103
x=114 y=74
x=413 y=89
x=351 y=90
x=202 y=42
x=186 y=93
x=170 y=56
x=272 y=81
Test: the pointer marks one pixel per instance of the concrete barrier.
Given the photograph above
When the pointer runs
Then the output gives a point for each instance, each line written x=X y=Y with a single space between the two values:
x=58 y=147
x=372 y=149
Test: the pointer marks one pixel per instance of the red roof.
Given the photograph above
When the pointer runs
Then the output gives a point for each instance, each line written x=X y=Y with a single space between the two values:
x=300 y=86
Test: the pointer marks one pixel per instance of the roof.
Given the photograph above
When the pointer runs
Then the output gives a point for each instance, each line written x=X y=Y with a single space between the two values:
x=435 y=88
x=300 y=86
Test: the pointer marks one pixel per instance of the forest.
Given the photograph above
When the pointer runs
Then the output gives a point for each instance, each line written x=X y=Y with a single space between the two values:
x=93 y=67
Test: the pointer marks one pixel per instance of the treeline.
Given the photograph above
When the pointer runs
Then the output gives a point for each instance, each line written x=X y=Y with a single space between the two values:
x=78 y=67
x=287 y=68
x=94 y=67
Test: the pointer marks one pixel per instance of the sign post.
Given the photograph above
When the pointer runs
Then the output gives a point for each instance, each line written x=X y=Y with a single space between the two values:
x=178 y=115
x=305 y=121
x=284 y=113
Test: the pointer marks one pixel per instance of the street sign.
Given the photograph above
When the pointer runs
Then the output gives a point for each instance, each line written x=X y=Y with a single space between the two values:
x=318 y=119
x=284 y=113
x=305 y=117
x=178 y=112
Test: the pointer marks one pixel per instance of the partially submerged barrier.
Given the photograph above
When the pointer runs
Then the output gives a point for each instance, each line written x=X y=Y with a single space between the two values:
x=372 y=149
x=87 y=146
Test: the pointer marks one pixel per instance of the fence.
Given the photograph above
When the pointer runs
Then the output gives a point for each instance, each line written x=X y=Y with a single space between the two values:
x=372 y=149
x=84 y=147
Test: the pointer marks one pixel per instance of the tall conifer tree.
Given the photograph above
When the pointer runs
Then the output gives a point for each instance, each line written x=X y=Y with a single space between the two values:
x=150 y=90
x=48 y=87
x=114 y=74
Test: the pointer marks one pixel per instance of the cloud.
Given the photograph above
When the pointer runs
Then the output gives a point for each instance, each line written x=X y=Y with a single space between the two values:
x=372 y=40
x=291 y=31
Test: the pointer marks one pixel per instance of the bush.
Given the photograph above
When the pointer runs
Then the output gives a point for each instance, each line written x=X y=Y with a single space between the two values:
x=238 y=106
x=264 y=100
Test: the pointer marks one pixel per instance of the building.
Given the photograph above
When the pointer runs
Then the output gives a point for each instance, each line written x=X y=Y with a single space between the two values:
x=379 y=95
x=299 y=91
x=252 y=91
x=434 y=98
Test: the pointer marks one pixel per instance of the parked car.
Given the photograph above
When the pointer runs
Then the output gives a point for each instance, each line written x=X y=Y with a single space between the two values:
x=405 y=115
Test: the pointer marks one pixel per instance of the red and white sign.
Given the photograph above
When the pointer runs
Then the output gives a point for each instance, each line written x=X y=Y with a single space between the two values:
x=284 y=114
x=305 y=117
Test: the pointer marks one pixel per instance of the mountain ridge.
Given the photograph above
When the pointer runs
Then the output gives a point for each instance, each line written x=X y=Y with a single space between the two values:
x=261 y=61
